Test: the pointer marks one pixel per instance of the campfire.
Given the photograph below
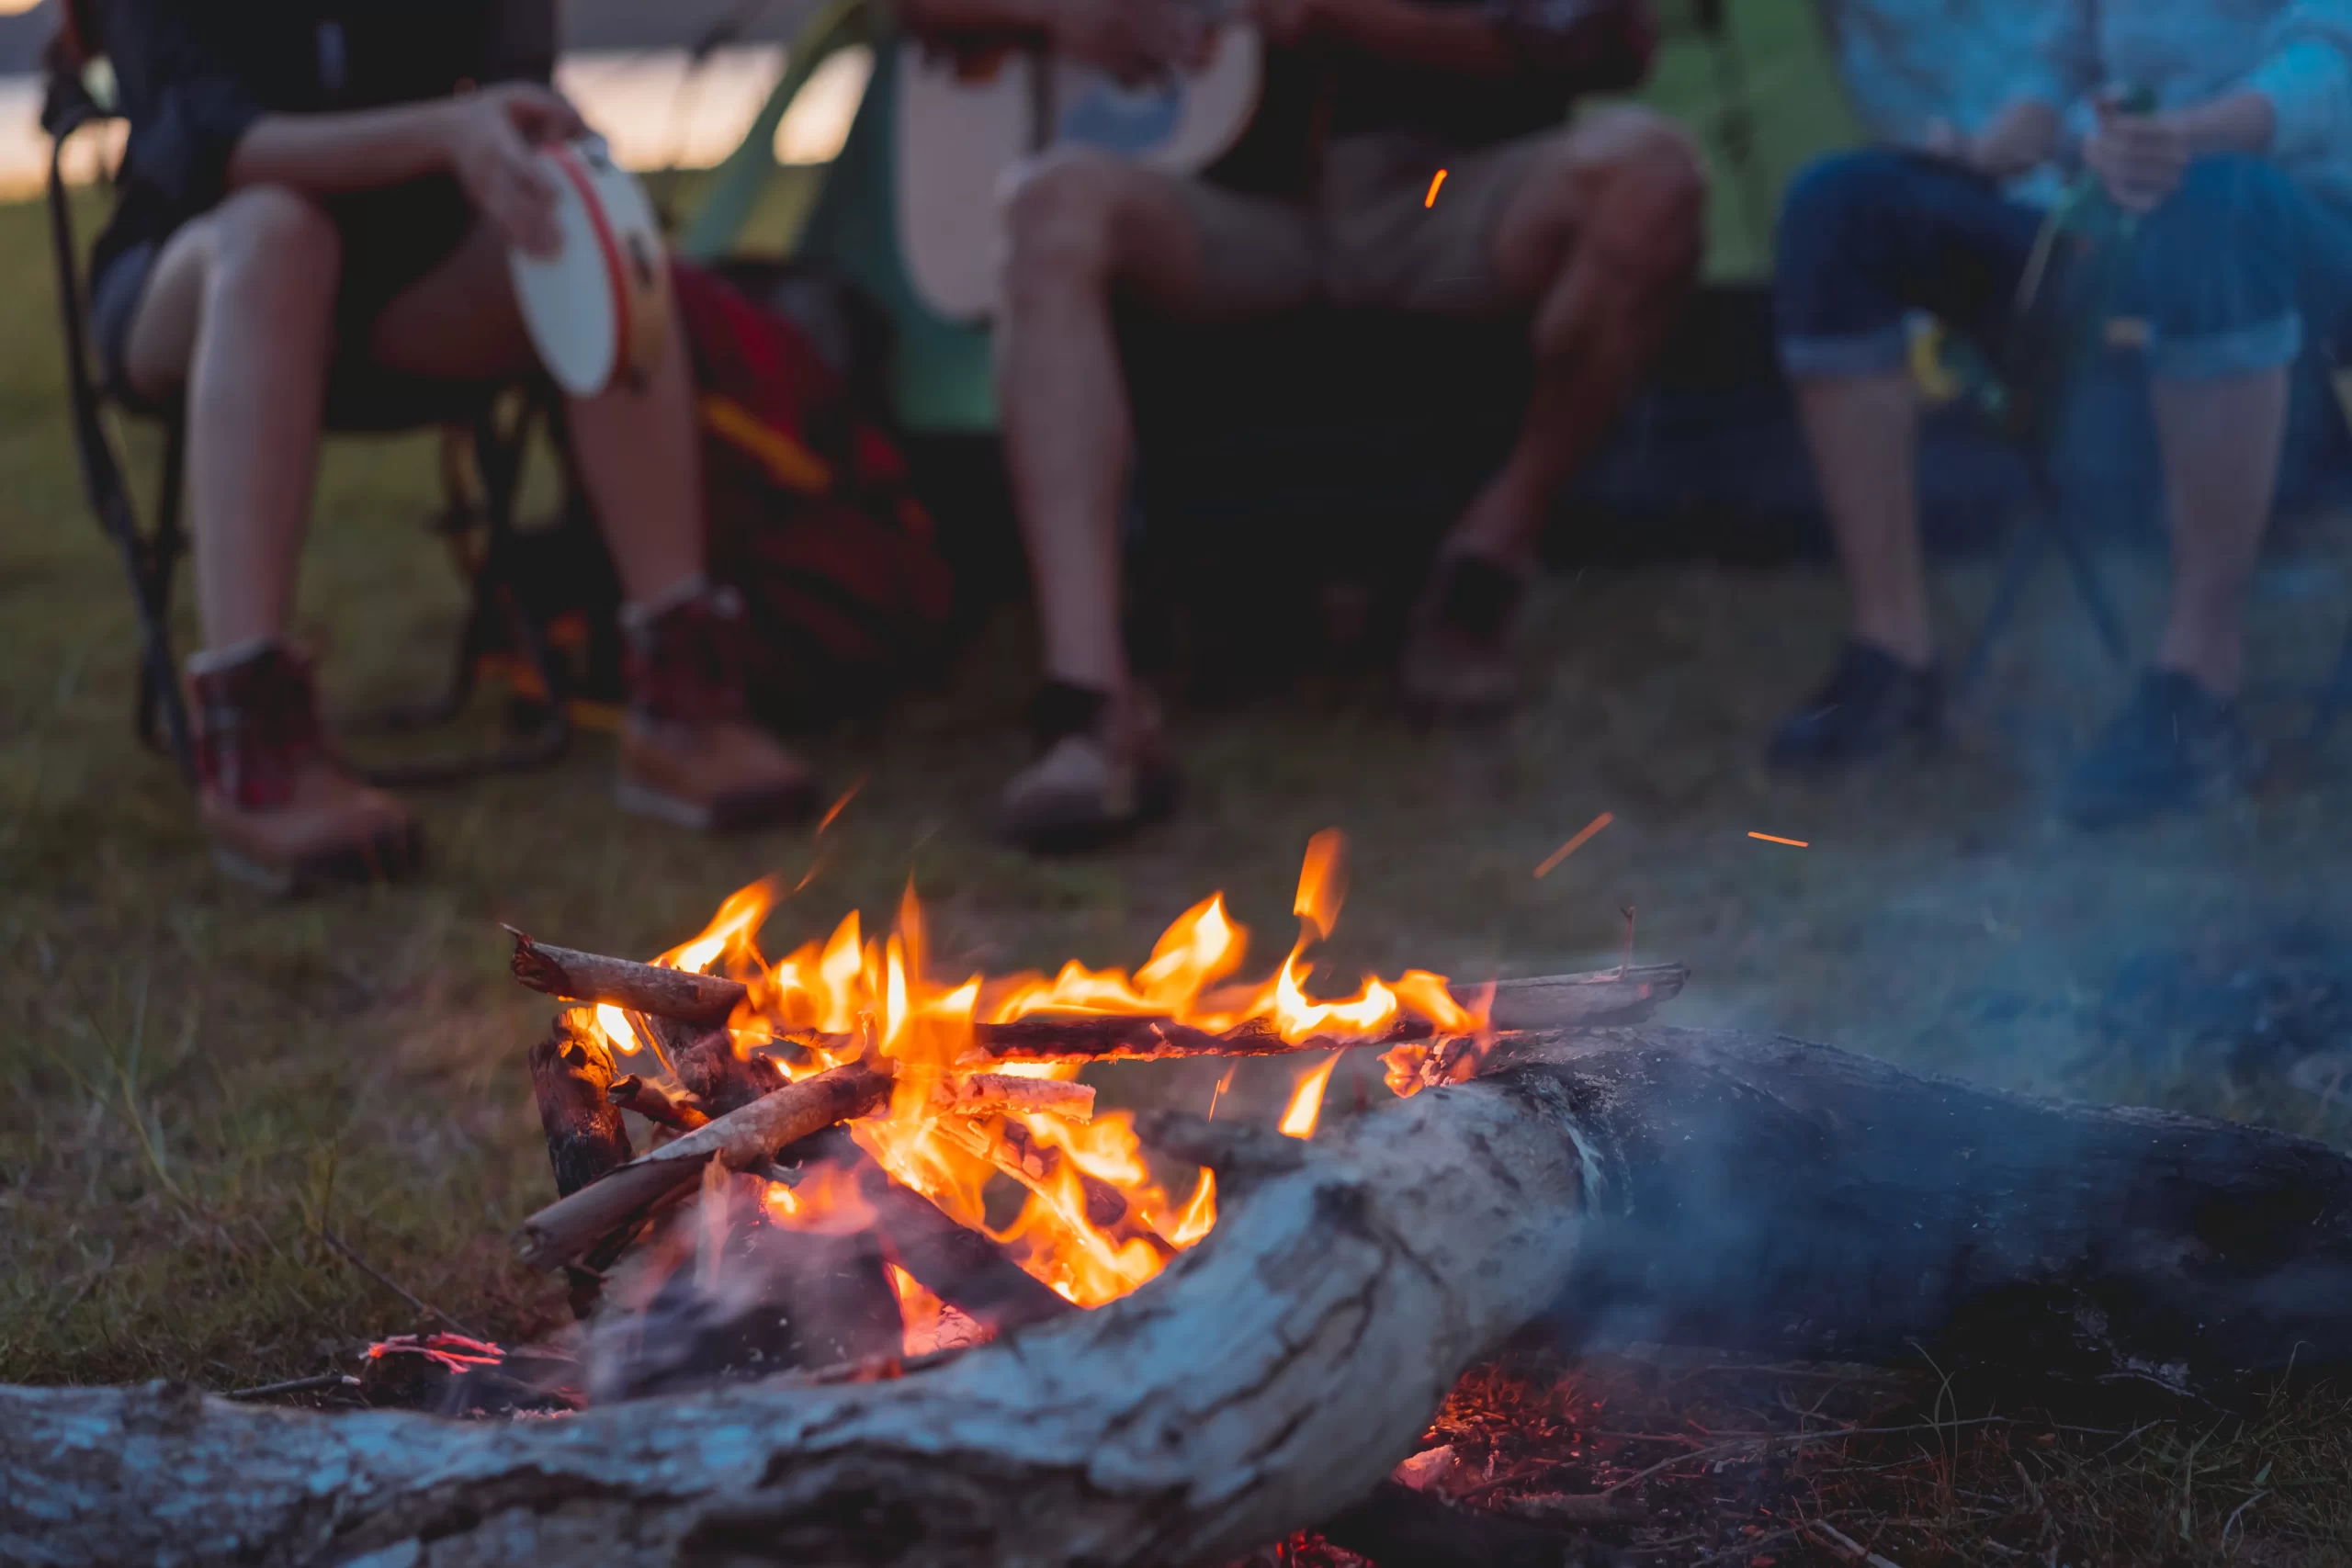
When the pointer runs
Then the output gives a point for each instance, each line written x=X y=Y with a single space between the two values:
x=922 y=1142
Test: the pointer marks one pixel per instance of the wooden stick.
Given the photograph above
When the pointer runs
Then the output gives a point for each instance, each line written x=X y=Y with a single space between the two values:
x=655 y=1103
x=993 y=1094
x=641 y=988
x=742 y=1140
x=569 y=1072
x=720 y=1079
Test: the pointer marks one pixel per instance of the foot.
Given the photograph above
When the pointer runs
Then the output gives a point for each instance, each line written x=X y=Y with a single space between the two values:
x=1103 y=771
x=281 y=812
x=689 y=755
x=1871 y=702
x=1459 y=660
x=2175 y=747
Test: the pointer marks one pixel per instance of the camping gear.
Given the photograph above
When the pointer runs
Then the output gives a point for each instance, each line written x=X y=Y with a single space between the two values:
x=964 y=126
x=597 y=308
x=495 y=418
x=812 y=517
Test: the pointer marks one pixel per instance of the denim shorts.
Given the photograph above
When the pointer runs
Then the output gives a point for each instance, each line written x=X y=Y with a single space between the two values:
x=392 y=237
x=2232 y=274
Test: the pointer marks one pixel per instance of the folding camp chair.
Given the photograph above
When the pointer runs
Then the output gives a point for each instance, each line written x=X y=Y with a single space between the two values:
x=478 y=522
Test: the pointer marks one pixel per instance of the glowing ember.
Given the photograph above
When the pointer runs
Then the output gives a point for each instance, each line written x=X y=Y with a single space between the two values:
x=1095 y=1224
x=1307 y=1100
x=455 y=1352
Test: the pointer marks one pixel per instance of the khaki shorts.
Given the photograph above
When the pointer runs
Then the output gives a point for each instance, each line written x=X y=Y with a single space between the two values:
x=1366 y=236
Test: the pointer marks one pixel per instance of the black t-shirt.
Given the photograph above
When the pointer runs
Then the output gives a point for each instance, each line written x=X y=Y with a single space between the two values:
x=1561 y=48
x=195 y=74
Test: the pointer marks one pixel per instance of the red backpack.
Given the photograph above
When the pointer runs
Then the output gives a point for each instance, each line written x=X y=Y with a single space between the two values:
x=812 y=520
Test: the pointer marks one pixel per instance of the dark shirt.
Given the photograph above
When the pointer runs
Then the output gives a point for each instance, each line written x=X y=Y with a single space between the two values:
x=195 y=74
x=1561 y=49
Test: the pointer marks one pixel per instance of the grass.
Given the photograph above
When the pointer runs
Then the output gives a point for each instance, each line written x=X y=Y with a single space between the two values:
x=201 y=1081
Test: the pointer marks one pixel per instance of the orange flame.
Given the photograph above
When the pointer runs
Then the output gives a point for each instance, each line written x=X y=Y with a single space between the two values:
x=1307 y=1100
x=1094 y=1223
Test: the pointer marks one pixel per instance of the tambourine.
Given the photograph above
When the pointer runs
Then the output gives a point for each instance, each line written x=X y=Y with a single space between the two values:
x=598 y=309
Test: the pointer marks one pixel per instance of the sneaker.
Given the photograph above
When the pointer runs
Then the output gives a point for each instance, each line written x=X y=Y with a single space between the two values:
x=1459 y=661
x=1871 y=702
x=1103 y=771
x=2174 y=747
x=689 y=754
x=283 y=813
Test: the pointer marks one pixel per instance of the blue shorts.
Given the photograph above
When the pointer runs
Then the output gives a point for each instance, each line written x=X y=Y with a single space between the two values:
x=2232 y=274
x=392 y=237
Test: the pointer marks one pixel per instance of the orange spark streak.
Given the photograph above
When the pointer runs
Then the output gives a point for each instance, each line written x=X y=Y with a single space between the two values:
x=835 y=809
x=1770 y=838
x=1432 y=201
x=1573 y=845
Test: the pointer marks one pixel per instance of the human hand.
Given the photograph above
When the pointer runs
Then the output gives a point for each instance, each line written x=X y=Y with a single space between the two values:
x=492 y=137
x=2139 y=158
x=1135 y=40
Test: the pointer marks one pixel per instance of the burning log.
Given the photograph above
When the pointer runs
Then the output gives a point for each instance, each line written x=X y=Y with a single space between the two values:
x=742 y=1140
x=648 y=988
x=1622 y=995
x=994 y=1094
x=1734 y=1191
x=571 y=1070
x=720 y=1079
x=655 y=1103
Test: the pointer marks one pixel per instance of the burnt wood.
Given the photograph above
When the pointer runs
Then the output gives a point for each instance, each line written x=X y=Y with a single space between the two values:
x=571 y=1070
x=719 y=1079
x=640 y=987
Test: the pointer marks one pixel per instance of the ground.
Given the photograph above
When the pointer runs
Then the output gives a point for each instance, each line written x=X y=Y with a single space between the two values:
x=204 y=1082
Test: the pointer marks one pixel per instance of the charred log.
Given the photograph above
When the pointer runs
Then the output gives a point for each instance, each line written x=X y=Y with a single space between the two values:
x=571 y=1070
x=719 y=1077
x=742 y=1140
x=655 y=1103
x=1753 y=1192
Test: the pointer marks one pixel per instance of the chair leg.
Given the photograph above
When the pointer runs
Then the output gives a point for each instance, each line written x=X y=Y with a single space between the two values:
x=2023 y=559
x=162 y=717
x=2088 y=587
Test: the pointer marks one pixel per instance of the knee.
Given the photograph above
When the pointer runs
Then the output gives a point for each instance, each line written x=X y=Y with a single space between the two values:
x=277 y=238
x=1061 y=223
x=1648 y=209
x=1833 y=199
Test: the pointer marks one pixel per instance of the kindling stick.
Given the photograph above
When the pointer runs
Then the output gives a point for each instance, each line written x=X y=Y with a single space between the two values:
x=742 y=1140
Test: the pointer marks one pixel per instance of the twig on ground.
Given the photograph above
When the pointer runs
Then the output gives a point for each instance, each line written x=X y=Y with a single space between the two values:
x=1846 y=1547
x=427 y=1308
x=295 y=1385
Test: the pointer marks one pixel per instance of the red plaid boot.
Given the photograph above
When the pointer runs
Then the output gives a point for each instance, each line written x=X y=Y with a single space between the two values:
x=689 y=755
x=282 y=813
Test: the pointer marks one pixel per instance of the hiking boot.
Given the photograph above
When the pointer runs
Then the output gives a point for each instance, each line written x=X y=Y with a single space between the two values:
x=1459 y=661
x=2175 y=747
x=1103 y=771
x=1871 y=702
x=689 y=752
x=282 y=813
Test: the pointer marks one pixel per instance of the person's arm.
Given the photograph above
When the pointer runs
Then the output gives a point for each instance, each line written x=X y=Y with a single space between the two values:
x=2020 y=138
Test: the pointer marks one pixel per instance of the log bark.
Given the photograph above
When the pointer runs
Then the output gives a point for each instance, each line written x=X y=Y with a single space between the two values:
x=719 y=1079
x=742 y=1140
x=640 y=987
x=1752 y=1191
x=571 y=1070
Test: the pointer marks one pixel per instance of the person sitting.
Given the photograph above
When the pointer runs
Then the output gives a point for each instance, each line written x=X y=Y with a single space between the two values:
x=2243 y=181
x=1591 y=232
x=310 y=187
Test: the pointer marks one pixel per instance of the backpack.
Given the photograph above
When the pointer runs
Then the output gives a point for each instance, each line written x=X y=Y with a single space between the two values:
x=812 y=518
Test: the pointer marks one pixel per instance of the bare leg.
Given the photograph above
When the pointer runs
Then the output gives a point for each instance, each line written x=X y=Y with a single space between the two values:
x=634 y=446
x=2220 y=443
x=1864 y=432
x=240 y=311
x=1079 y=226
x=1604 y=236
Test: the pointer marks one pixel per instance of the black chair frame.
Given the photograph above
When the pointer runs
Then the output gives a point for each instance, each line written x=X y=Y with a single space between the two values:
x=478 y=522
